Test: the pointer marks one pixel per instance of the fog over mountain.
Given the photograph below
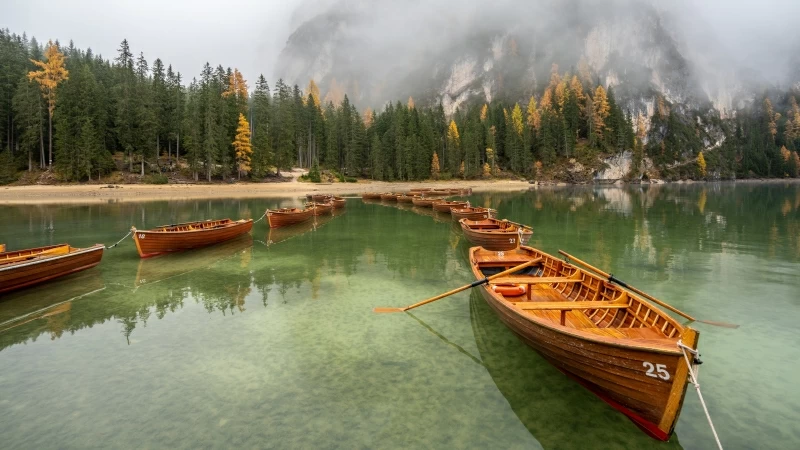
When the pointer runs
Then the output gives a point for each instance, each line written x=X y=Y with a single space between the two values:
x=712 y=53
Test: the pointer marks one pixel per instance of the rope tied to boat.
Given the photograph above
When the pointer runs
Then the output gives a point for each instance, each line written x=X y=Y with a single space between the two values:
x=261 y=218
x=693 y=379
x=129 y=233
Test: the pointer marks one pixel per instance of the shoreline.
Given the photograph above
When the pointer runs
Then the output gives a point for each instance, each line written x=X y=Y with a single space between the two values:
x=104 y=193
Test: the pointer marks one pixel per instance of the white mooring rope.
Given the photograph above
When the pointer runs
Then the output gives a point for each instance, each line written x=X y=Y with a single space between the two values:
x=693 y=380
x=261 y=218
x=112 y=246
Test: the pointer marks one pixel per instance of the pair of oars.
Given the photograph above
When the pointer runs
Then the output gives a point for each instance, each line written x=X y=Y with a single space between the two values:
x=621 y=283
x=462 y=288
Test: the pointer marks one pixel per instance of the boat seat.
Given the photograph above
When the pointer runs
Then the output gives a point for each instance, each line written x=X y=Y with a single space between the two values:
x=533 y=280
x=563 y=307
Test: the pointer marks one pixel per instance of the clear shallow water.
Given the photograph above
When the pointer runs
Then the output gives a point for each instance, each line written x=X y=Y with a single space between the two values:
x=269 y=341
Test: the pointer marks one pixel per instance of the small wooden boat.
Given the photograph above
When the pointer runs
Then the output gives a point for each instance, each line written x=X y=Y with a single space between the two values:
x=406 y=198
x=371 y=196
x=320 y=208
x=321 y=198
x=186 y=236
x=444 y=206
x=419 y=190
x=388 y=196
x=493 y=234
x=338 y=202
x=2 y=248
x=472 y=213
x=424 y=202
x=614 y=343
x=438 y=193
x=288 y=216
x=25 y=268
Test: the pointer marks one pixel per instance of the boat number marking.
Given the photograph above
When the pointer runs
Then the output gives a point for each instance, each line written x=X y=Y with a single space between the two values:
x=660 y=368
x=141 y=236
x=511 y=240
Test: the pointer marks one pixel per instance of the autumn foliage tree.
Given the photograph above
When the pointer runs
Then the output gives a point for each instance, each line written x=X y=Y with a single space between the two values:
x=701 y=164
x=435 y=166
x=242 y=146
x=51 y=72
x=599 y=113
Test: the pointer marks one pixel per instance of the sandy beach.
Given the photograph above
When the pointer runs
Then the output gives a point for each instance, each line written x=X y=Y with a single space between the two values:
x=97 y=193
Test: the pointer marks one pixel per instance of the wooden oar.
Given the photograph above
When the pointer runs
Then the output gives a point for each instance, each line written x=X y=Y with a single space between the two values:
x=462 y=288
x=621 y=283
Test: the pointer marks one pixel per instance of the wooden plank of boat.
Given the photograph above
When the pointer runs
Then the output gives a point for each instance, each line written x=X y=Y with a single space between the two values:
x=614 y=343
x=371 y=196
x=406 y=198
x=189 y=235
x=321 y=198
x=419 y=190
x=493 y=234
x=288 y=216
x=27 y=270
x=423 y=201
x=444 y=206
x=2 y=248
x=472 y=213
x=389 y=197
x=338 y=202
x=320 y=208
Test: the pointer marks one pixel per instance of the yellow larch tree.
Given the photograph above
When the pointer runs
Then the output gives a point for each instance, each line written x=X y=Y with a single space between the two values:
x=793 y=124
x=663 y=111
x=600 y=110
x=785 y=153
x=561 y=94
x=577 y=89
x=51 y=72
x=313 y=91
x=435 y=166
x=772 y=118
x=534 y=119
x=237 y=88
x=410 y=102
x=546 y=103
x=484 y=112
x=453 y=137
x=701 y=164
x=490 y=160
x=242 y=146
x=516 y=119
x=369 y=116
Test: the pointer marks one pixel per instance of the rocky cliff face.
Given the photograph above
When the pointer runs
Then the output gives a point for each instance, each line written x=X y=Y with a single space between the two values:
x=385 y=50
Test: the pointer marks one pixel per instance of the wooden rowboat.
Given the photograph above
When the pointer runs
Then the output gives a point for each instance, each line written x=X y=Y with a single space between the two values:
x=423 y=201
x=406 y=198
x=338 y=202
x=288 y=216
x=388 y=196
x=493 y=234
x=444 y=206
x=419 y=190
x=2 y=248
x=320 y=208
x=614 y=343
x=472 y=213
x=186 y=236
x=371 y=196
x=25 y=268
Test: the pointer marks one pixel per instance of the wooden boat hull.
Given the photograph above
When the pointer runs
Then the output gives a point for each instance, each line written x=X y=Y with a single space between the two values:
x=321 y=209
x=405 y=198
x=472 y=213
x=320 y=198
x=286 y=217
x=444 y=207
x=422 y=202
x=371 y=196
x=619 y=371
x=338 y=202
x=151 y=243
x=389 y=197
x=34 y=271
x=2 y=248
x=495 y=240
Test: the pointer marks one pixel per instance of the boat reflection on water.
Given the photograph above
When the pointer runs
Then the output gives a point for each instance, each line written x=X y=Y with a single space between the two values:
x=277 y=235
x=167 y=266
x=558 y=412
x=48 y=301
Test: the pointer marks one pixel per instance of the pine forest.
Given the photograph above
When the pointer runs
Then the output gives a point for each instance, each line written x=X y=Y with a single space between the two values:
x=80 y=117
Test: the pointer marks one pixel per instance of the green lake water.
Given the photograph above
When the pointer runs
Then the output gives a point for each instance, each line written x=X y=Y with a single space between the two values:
x=270 y=341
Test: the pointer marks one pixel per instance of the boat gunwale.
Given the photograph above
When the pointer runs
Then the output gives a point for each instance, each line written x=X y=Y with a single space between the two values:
x=231 y=224
x=628 y=343
x=45 y=258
